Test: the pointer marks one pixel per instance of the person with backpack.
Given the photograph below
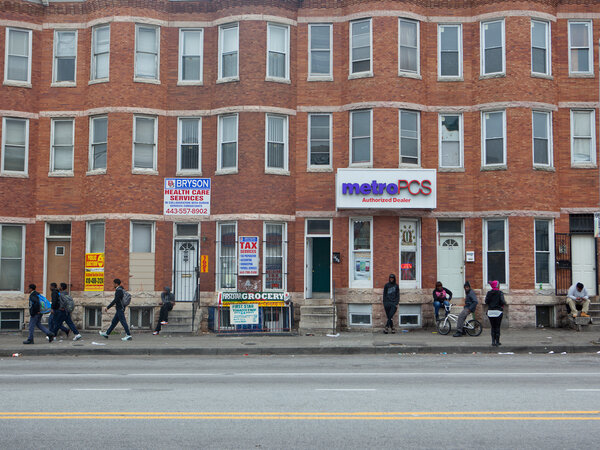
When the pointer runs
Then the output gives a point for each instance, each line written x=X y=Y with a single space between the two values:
x=55 y=296
x=120 y=302
x=35 y=312
x=63 y=314
x=167 y=302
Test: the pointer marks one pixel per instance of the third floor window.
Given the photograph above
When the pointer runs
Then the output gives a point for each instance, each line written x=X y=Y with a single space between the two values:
x=17 y=65
x=581 y=57
x=228 y=51
x=100 y=52
x=146 y=52
x=190 y=55
x=65 y=56
x=360 y=47
x=319 y=44
x=492 y=47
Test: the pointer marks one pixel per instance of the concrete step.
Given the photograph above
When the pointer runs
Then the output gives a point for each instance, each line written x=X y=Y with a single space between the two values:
x=172 y=328
x=316 y=321
x=328 y=310
x=318 y=302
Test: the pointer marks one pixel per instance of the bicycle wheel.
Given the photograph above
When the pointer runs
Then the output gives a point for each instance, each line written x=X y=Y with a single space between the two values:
x=473 y=327
x=443 y=326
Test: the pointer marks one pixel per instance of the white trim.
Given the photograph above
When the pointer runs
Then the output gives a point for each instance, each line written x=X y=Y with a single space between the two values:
x=482 y=71
x=93 y=60
x=139 y=222
x=23 y=255
x=56 y=83
x=418 y=114
x=285 y=167
x=484 y=137
x=221 y=169
x=306 y=237
x=366 y=163
x=180 y=80
x=326 y=167
x=133 y=142
x=320 y=77
x=25 y=172
x=352 y=283
x=548 y=72
x=592 y=160
x=461 y=141
x=181 y=171
x=549 y=137
x=218 y=273
x=92 y=128
x=284 y=245
x=590 y=47
x=286 y=77
x=410 y=73
x=357 y=312
x=550 y=252
x=26 y=83
x=61 y=172
x=364 y=73
x=236 y=77
x=136 y=76
x=506 y=251
x=459 y=76
x=453 y=234
x=88 y=224
x=416 y=283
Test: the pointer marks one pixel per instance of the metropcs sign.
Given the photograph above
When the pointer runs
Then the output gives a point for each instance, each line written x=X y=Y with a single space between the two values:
x=385 y=188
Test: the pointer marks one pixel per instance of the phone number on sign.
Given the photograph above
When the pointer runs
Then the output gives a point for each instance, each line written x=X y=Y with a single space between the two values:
x=186 y=211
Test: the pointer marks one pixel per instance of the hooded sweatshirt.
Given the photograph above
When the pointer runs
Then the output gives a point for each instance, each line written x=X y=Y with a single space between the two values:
x=391 y=291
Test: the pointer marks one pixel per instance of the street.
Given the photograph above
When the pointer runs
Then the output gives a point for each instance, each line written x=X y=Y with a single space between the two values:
x=324 y=402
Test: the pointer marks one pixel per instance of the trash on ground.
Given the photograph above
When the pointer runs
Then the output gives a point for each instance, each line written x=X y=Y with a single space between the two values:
x=434 y=332
x=98 y=343
x=443 y=353
x=506 y=353
x=16 y=355
x=563 y=353
x=333 y=335
x=551 y=352
x=405 y=331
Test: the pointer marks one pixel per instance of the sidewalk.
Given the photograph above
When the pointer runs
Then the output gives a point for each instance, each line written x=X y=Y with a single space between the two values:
x=522 y=341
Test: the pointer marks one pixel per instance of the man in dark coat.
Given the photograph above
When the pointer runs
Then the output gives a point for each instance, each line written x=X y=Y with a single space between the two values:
x=391 y=298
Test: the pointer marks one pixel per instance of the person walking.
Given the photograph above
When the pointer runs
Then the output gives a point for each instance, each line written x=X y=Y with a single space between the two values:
x=167 y=302
x=470 y=306
x=119 y=312
x=441 y=296
x=391 y=298
x=55 y=299
x=495 y=301
x=36 y=316
x=63 y=314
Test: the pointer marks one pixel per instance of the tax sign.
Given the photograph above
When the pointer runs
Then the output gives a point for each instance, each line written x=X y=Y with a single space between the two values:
x=187 y=197
x=248 y=261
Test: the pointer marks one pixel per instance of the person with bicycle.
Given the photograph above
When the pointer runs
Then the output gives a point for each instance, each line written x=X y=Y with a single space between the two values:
x=441 y=296
x=470 y=306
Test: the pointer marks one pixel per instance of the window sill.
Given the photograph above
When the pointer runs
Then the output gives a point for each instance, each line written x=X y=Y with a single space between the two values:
x=190 y=83
x=354 y=76
x=413 y=75
x=317 y=169
x=23 y=84
x=272 y=171
x=63 y=84
x=228 y=80
x=544 y=168
x=450 y=79
x=583 y=166
x=366 y=164
x=98 y=81
x=231 y=171
x=409 y=166
x=144 y=171
x=188 y=173
x=9 y=174
x=319 y=78
x=146 y=80
x=95 y=172
x=278 y=80
x=61 y=174
x=581 y=75
x=451 y=169
x=492 y=168
x=492 y=75
x=541 y=75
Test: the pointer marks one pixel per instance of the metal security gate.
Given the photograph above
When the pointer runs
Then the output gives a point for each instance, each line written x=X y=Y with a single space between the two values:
x=186 y=270
x=563 y=268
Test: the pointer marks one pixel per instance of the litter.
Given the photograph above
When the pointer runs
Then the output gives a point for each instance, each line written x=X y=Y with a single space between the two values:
x=443 y=353
x=16 y=355
x=551 y=352
x=563 y=353
x=434 y=332
x=97 y=343
x=333 y=335
x=506 y=353
x=405 y=331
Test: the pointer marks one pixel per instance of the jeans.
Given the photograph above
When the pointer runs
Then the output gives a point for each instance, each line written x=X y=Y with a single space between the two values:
x=437 y=304
x=36 y=321
x=461 y=319
x=495 y=323
x=119 y=317
x=60 y=317
x=51 y=319
x=390 y=310
x=163 y=315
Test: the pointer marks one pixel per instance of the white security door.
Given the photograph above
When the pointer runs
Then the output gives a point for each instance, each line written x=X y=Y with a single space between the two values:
x=451 y=264
x=584 y=262
x=186 y=263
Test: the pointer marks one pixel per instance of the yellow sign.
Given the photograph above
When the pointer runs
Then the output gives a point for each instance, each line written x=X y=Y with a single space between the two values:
x=94 y=281
x=94 y=261
x=260 y=303
x=204 y=264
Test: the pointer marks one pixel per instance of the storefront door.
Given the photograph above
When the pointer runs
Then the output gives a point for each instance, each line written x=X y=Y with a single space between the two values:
x=57 y=269
x=186 y=275
x=320 y=263
x=451 y=264
x=583 y=254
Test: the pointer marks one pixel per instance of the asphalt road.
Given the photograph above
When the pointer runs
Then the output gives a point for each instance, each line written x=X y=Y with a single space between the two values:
x=363 y=402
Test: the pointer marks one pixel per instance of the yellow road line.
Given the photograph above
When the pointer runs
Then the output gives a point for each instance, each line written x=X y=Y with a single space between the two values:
x=294 y=413
x=367 y=418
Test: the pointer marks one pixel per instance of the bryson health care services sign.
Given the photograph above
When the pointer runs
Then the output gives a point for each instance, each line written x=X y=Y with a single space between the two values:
x=385 y=188
x=187 y=197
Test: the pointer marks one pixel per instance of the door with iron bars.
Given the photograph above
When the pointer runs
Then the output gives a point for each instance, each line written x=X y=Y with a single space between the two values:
x=563 y=267
x=186 y=270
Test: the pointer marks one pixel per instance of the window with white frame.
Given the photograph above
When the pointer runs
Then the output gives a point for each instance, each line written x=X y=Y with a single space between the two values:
x=142 y=239
x=543 y=252
x=492 y=47
x=360 y=47
x=144 y=142
x=360 y=136
x=98 y=142
x=319 y=48
x=12 y=239
x=319 y=139
x=540 y=47
x=274 y=257
x=15 y=145
x=189 y=144
x=226 y=255
x=361 y=245
x=140 y=318
x=451 y=140
x=409 y=315
x=190 y=55
x=496 y=250
x=450 y=51
x=228 y=51
x=409 y=137
x=583 y=137
x=95 y=237
x=93 y=317
x=278 y=50
x=228 y=137
x=408 y=46
x=11 y=319
x=494 y=138
x=17 y=61
x=100 y=52
x=65 y=56
x=186 y=230
x=581 y=56
x=63 y=136
x=360 y=315
x=277 y=142
x=542 y=138
x=147 y=52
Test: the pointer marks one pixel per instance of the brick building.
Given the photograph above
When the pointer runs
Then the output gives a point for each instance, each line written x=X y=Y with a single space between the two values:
x=435 y=140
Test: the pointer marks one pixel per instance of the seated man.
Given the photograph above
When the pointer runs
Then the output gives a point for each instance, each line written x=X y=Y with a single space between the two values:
x=578 y=295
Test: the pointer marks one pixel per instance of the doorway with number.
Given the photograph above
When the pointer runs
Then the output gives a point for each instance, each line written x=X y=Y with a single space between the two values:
x=450 y=255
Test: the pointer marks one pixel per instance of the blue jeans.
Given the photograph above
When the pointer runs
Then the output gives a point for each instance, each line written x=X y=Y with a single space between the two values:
x=36 y=321
x=119 y=317
x=60 y=317
x=51 y=319
x=437 y=304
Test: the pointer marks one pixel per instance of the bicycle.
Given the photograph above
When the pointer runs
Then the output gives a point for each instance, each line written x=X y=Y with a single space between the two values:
x=472 y=326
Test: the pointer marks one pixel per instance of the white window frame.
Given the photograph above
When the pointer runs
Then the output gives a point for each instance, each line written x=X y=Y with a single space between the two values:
x=357 y=307
x=227 y=170
x=284 y=250
x=459 y=76
x=277 y=170
x=461 y=140
x=218 y=287
x=548 y=49
x=16 y=173
x=400 y=163
x=482 y=49
x=139 y=222
x=146 y=170
x=416 y=283
x=320 y=76
x=364 y=73
x=484 y=137
x=286 y=77
x=236 y=77
x=91 y=169
x=320 y=167
x=550 y=140
x=181 y=171
x=592 y=162
x=401 y=313
x=56 y=83
x=404 y=72
x=590 y=24
x=366 y=163
x=94 y=62
x=20 y=83
x=61 y=172
x=137 y=78
x=550 y=284
x=180 y=80
x=352 y=283
x=23 y=239
x=506 y=251
x=88 y=226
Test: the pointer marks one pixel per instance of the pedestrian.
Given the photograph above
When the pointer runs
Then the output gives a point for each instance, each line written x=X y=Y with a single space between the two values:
x=470 y=306
x=63 y=314
x=578 y=295
x=36 y=316
x=495 y=301
x=441 y=296
x=119 y=312
x=55 y=299
x=167 y=302
x=391 y=298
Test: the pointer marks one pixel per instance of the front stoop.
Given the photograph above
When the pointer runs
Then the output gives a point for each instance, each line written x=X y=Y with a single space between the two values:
x=318 y=316
x=591 y=323
x=180 y=320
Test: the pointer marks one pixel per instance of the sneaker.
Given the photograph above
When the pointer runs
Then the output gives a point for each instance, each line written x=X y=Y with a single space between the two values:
x=457 y=334
x=164 y=322
x=386 y=330
x=126 y=338
x=50 y=337
x=77 y=337
x=28 y=341
x=575 y=316
x=584 y=314
x=103 y=334
x=155 y=333
x=393 y=331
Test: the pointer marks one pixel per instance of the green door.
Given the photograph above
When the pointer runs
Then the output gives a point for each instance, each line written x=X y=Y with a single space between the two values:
x=320 y=264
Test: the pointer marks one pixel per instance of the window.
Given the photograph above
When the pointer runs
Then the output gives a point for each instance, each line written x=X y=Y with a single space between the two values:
x=63 y=131
x=186 y=229
x=409 y=315
x=98 y=142
x=408 y=46
x=409 y=254
x=542 y=138
x=59 y=230
x=189 y=145
x=274 y=256
x=227 y=256
x=409 y=137
x=11 y=320
x=277 y=137
x=581 y=57
x=190 y=55
x=450 y=226
x=359 y=315
x=319 y=140
x=100 y=52
x=228 y=51
x=496 y=250
x=492 y=47
x=228 y=130
x=12 y=238
x=361 y=244
x=360 y=139
x=543 y=252
x=144 y=142
x=360 y=47
x=93 y=318
x=146 y=52
x=494 y=142
x=278 y=49
x=316 y=226
x=319 y=48
x=540 y=47
x=15 y=145
x=95 y=237
x=17 y=60
x=583 y=137
x=140 y=318
x=451 y=140
x=450 y=51
x=65 y=56
x=142 y=237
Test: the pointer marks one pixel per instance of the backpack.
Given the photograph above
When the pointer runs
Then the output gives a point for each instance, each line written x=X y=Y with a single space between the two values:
x=126 y=299
x=66 y=302
x=45 y=304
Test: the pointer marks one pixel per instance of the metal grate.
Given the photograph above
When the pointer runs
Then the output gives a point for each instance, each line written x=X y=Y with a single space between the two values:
x=562 y=250
x=271 y=319
x=581 y=223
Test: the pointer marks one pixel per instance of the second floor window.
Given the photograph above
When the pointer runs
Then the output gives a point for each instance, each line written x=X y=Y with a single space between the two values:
x=583 y=146
x=100 y=52
x=190 y=143
x=228 y=130
x=17 y=62
x=540 y=47
x=95 y=237
x=277 y=142
x=542 y=138
x=319 y=129
x=62 y=145
x=494 y=141
x=360 y=47
x=278 y=51
x=360 y=138
x=450 y=140
x=228 y=51
x=581 y=56
x=409 y=137
x=408 y=48
x=492 y=47
x=146 y=52
x=320 y=60
x=15 y=144
x=65 y=56
x=450 y=51
x=98 y=142
x=144 y=142
x=190 y=55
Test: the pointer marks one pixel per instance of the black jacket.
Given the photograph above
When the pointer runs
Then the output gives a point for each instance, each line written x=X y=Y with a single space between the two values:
x=34 y=303
x=471 y=301
x=55 y=300
x=448 y=291
x=495 y=300
x=391 y=293
x=118 y=300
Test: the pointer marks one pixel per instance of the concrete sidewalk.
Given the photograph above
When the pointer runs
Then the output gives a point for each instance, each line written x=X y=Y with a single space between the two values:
x=522 y=341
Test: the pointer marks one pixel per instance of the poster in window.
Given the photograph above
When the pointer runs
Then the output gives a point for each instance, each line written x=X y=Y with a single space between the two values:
x=362 y=268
